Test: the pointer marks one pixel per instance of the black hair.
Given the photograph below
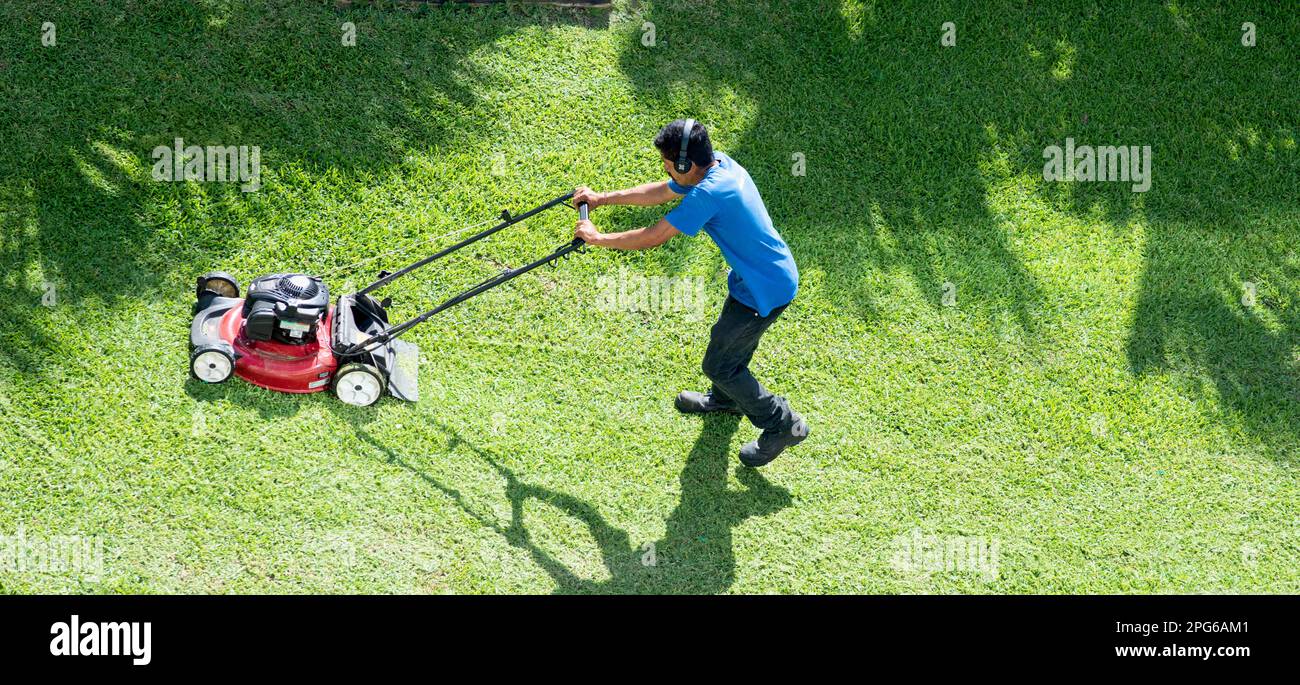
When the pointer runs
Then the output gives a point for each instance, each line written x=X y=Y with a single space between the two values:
x=669 y=142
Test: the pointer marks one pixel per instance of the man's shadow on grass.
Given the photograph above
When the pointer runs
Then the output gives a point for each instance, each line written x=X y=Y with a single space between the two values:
x=695 y=555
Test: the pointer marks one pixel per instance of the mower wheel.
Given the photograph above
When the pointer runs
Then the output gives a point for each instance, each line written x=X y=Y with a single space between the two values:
x=211 y=365
x=359 y=385
x=219 y=283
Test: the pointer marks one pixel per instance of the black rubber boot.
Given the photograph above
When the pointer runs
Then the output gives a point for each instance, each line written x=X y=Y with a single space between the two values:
x=772 y=442
x=691 y=402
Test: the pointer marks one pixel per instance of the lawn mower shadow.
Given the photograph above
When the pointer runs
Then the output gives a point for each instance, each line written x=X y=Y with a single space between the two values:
x=269 y=404
x=694 y=557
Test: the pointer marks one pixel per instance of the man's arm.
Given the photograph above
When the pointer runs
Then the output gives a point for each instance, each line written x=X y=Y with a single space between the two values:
x=636 y=239
x=645 y=195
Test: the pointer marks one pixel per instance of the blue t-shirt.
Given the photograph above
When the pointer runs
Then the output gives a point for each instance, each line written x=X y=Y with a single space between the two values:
x=726 y=204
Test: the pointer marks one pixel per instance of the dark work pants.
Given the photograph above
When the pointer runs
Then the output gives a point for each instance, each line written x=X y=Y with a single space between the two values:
x=726 y=362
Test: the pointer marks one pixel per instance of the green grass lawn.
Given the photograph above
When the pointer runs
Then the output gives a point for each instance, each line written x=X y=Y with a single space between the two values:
x=1099 y=404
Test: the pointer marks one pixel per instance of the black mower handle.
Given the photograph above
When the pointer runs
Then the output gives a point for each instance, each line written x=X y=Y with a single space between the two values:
x=392 y=332
x=506 y=220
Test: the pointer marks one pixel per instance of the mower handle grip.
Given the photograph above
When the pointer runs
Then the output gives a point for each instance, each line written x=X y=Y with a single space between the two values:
x=583 y=211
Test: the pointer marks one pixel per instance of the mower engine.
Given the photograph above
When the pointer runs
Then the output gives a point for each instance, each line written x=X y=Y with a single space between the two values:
x=285 y=308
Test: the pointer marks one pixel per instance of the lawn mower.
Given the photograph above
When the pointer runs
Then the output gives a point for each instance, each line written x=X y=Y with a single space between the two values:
x=284 y=335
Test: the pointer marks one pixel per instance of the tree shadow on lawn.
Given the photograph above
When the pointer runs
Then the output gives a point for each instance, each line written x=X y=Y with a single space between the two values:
x=1194 y=319
x=694 y=557
x=927 y=159
x=79 y=120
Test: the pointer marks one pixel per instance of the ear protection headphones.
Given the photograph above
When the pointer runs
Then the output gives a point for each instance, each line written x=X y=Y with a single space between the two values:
x=683 y=165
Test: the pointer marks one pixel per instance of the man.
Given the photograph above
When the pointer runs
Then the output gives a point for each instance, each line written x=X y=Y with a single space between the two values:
x=719 y=198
